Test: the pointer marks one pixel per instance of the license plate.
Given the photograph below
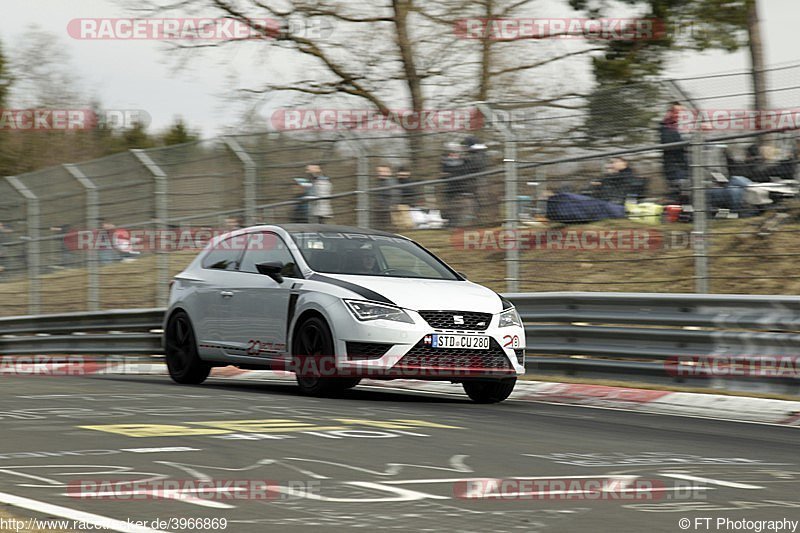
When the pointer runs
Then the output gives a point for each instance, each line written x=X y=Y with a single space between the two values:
x=466 y=342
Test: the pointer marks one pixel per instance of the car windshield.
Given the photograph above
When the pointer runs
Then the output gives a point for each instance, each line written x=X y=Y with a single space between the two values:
x=369 y=255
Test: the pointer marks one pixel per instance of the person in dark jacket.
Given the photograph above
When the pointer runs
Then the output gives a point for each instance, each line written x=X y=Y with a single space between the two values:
x=408 y=195
x=476 y=160
x=676 y=162
x=619 y=183
x=384 y=200
x=453 y=165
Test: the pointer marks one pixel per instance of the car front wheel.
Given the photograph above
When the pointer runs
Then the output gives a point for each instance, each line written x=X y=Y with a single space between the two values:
x=314 y=342
x=183 y=362
x=489 y=391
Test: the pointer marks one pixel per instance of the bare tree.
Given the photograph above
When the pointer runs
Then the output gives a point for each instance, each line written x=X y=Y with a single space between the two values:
x=397 y=53
x=760 y=97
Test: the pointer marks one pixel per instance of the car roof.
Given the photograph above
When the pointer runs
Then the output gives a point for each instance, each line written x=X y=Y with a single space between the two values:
x=333 y=228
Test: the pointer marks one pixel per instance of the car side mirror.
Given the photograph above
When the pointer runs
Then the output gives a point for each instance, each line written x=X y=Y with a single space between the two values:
x=272 y=270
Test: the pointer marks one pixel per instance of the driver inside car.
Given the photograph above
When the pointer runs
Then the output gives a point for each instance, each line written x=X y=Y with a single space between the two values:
x=366 y=262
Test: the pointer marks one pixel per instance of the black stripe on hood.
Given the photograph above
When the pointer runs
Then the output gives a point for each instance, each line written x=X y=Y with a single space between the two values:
x=358 y=289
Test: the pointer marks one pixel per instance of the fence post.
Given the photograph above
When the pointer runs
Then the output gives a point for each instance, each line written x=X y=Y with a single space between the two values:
x=92 y=218
x=505 y=124
x=699 y=216
x=249 y=184
x=362 y=196
x=511 y=223
x=33 y=251
x=162 y=217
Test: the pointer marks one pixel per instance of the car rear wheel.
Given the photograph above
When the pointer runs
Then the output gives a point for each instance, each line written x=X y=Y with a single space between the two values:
x=489 y=391
x=183 y=362
x=313 y=341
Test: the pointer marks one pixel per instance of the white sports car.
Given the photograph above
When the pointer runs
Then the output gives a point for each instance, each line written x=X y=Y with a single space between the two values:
x=335 y=304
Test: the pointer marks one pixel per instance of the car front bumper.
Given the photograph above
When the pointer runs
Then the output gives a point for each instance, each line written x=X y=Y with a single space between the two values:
x=383 y=349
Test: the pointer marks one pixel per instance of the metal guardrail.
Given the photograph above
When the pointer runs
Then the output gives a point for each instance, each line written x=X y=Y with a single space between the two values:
x=613 y=333
x=117 y=332
x=659 y=326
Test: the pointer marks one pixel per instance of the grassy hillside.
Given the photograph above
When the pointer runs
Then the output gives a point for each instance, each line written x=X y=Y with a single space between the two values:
x=740 y=263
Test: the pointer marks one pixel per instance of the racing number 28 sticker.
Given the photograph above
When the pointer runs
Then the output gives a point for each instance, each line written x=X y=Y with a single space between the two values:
x=510 y=341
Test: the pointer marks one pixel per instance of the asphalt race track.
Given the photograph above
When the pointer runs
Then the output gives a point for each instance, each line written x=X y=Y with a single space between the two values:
x=378 y=459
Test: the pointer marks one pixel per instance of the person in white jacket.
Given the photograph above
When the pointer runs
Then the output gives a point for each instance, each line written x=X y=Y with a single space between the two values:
x=321 y=187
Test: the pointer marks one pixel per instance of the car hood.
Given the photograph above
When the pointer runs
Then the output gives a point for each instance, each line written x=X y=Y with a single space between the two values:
x=428 y=294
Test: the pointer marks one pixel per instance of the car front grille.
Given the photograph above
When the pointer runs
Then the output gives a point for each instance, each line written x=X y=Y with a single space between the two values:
x=427 y=357
x=448 y=320
x=366 y=350
x=520 y=353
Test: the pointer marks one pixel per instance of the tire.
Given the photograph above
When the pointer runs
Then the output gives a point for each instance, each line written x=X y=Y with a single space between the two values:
x=489 y=391
x=313 y=338
x=183 y=362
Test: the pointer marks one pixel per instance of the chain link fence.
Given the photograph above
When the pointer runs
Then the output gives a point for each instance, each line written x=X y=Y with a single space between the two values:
x=569 y=194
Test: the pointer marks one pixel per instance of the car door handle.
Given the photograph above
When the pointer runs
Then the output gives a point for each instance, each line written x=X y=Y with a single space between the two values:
x=226 y=294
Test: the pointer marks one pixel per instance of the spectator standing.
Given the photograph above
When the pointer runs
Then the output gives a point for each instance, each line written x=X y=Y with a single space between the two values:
x=676 y=162
x=385 y=199
x=320 y=210
x=453 y=164
x=408 y=195
x=476 y=161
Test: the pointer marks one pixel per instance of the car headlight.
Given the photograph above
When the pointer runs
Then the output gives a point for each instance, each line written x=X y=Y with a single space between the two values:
x=510 y=317
x=374 y=311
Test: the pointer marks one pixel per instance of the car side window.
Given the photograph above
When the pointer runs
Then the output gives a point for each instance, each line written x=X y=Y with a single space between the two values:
x=266 y=247
x=226 y=254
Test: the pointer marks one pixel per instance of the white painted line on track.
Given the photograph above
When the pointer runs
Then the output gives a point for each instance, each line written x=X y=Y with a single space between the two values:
x=710 y=481
x=484 y=478
x=167 y=449
x=103 y=522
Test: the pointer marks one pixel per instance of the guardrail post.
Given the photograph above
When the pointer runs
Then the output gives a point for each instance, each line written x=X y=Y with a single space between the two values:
x=249 y=184
x=162 y=219
x=33 y=248
x=92 y=219
x=699 y=216
x=362 y=196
